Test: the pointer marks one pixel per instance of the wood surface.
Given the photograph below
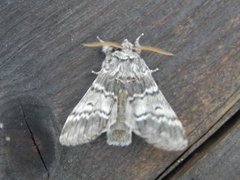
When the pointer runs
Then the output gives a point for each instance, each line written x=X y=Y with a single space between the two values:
x=45 y=71
x=217 y=158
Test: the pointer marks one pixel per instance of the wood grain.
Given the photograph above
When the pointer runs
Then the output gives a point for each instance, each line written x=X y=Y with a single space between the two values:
x=218 y=157
x=45 y=70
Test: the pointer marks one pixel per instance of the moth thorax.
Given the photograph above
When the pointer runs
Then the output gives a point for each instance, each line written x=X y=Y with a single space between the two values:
x=119 y=134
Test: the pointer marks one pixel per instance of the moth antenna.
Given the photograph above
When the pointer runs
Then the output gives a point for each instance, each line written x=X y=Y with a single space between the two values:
x=153 y=49
x=103 y=43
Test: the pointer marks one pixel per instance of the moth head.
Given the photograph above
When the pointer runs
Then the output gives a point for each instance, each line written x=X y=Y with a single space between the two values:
x=126 y=45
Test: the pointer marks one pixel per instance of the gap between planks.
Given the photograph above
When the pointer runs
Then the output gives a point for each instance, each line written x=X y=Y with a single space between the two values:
x=194 y=152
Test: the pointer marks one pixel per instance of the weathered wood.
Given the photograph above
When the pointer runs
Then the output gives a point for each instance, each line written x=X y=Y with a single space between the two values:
x=44 y=72
x=182 y=164
x=218 y=158
x=27 y=146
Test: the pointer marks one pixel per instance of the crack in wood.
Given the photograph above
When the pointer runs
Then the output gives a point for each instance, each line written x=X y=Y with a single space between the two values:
x=34 y=141
x=181 y=159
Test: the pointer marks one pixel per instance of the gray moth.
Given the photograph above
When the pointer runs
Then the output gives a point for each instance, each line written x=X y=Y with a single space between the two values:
x=124 y=99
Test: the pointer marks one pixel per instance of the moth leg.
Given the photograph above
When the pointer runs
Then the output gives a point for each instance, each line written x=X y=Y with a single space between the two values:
x=105 y=49
x=154 y=70
x=95 y=72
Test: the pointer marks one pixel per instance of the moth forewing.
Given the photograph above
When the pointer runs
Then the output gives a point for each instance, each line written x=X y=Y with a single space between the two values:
x=89 y=118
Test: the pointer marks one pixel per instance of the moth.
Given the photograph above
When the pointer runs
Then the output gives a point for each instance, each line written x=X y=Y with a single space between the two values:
x=124 y=99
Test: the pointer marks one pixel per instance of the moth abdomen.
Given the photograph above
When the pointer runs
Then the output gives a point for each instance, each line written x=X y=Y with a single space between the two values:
x=119 y=134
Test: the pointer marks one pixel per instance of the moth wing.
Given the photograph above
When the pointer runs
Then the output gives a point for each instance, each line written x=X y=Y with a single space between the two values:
x=153 y=117
x=90 y=116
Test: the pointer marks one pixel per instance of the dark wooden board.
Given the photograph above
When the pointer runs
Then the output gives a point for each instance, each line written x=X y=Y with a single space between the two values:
x=201 y=147
x=218 y=157
x=44 y=72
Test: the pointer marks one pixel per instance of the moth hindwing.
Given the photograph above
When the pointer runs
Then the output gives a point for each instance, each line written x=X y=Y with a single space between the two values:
x=123 y=99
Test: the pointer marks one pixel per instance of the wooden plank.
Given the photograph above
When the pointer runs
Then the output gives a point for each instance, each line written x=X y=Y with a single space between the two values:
x=176 y=166
x=218 y=158
x=44 y=65
x=24 y=139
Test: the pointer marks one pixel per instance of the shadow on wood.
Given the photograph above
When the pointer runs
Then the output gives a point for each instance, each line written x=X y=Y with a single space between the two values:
x=29 y=147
